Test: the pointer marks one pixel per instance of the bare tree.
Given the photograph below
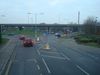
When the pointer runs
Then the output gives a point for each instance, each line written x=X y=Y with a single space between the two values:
x=90 y=25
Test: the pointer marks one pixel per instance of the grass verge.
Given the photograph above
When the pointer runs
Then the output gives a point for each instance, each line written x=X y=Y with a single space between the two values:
x=4 y=41
x=88 y=40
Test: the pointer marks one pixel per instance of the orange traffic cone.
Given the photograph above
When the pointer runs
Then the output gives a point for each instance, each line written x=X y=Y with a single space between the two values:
x=46 y=46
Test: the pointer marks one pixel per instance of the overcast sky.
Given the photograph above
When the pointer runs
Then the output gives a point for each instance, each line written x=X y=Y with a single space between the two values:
x=48 y=11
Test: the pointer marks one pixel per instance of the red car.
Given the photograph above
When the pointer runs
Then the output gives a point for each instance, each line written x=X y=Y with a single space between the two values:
x=22 y=37
x=28 y=43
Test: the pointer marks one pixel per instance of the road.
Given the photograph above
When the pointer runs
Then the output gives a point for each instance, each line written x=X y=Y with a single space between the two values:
x=64 y=57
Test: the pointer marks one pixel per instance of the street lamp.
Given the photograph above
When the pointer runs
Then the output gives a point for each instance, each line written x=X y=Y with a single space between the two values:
x=36 y=17
x=36 y=21
x=29 y=16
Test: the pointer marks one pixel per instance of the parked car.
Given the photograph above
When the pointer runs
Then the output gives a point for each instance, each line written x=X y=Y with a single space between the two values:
x=28 y=42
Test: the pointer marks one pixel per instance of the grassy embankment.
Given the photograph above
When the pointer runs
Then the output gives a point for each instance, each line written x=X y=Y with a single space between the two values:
x=22 y=32
x=90 y=40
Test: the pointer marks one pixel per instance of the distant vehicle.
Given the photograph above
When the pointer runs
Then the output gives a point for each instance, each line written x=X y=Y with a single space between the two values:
x=58 y=35
x=28 y=42
x=52 y=32
x=22 y=37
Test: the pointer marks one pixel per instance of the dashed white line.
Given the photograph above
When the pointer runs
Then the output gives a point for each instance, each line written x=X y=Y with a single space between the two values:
x=65 y=56
x=94 y=57
x=46 y=66
x=38 y=67
x=38 y=52
x=53 y=57
x=35 y=60
x=82 y=70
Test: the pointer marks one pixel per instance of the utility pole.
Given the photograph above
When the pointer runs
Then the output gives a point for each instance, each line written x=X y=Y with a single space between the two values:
x=79 y=17
x=29 y=17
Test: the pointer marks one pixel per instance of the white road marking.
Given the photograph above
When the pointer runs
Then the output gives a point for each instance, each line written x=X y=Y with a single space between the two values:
x=82 y=70
x=94 y=57
x=38 y=67
x=38 y=52
x=50 y=52
x=65 y=56
x=35 y=60
x=9 y=66
x=53 y=57
x=41 y=74
x=46 y=66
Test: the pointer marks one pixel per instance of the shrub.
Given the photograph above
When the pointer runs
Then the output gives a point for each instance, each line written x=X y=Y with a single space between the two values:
x=85 y=40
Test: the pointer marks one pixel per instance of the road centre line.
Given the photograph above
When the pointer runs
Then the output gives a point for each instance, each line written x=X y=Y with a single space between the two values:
x=82 y=70
x=53 y=57
x=46 y=66
x=65 y=56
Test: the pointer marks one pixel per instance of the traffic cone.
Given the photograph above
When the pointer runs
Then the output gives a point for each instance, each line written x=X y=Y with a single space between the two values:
x=46 y=46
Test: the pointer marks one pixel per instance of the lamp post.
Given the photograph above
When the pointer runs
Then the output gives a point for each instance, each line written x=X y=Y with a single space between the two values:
x=36 y=21
x=29 y=17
